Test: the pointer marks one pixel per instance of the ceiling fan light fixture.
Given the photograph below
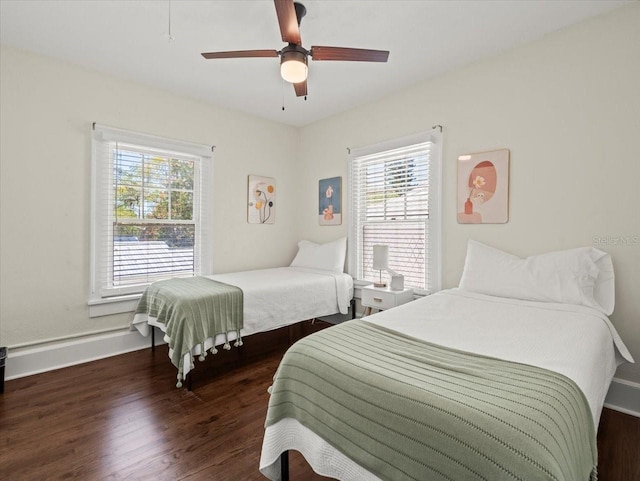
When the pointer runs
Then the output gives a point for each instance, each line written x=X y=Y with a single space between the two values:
x=293 y=66
x=294 y=57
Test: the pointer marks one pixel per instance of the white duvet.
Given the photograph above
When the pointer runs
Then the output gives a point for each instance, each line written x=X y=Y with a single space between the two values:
x=578 y=342
x=274 y=298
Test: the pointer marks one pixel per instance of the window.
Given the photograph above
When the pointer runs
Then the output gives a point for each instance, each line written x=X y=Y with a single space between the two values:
x=150 y=212
x=395 y=200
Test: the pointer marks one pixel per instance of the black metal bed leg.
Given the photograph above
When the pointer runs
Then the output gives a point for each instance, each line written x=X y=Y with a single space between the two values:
x=153 y=339
x=353 y=307
x=284 y=466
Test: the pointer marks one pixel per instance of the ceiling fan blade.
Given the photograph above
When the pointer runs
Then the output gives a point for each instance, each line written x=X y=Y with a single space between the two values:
x=241 y=54
x=300 y=88
x=351 y=54
x=288 y=21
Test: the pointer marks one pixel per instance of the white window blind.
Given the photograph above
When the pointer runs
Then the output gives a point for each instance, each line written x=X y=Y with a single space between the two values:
x=151 y=211
x=394 y=191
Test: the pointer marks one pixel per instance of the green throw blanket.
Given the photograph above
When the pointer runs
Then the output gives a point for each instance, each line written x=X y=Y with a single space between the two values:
x=193 y=309
x=405 y=409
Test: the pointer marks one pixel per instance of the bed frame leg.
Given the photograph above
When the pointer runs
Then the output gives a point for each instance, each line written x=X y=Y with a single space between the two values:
x=284 y=466
x=353 y=307
x=153 y=339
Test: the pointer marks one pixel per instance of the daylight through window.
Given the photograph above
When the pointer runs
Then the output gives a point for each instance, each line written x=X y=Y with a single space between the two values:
x=395 y=201
x=151 y=201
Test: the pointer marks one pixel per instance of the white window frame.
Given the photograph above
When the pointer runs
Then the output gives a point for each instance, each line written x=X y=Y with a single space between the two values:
x=104 y=299
x=433 y=254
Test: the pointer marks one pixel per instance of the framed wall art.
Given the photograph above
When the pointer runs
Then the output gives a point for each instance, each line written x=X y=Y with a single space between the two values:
x=330 y=201
x=483 y=188
x=261 y=207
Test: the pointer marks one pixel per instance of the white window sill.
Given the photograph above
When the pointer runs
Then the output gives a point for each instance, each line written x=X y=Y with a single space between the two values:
x=113 y=305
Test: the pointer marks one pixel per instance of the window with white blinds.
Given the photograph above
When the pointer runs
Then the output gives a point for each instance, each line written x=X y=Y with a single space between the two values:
x=395 y=192
x=151 y=209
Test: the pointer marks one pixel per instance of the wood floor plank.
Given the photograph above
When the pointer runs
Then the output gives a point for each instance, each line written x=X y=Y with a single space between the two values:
x=123 y=419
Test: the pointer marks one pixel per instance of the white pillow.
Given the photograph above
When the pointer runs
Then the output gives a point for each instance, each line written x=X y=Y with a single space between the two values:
x=582 y=276
x=604 y=292
x=328 y=257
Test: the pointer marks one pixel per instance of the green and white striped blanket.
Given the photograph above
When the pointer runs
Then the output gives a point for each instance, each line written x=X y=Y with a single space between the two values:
x=192 y=310
x=405 y=409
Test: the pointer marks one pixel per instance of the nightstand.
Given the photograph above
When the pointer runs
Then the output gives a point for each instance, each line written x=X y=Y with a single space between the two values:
x=382 y=298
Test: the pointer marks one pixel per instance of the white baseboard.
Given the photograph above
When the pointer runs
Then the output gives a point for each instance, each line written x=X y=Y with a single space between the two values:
x=23 y=362
x=624 y=396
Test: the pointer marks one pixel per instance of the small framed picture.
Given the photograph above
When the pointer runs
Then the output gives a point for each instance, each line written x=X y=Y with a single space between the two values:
x=330 y=201
x=483 y=188
x=261 y=205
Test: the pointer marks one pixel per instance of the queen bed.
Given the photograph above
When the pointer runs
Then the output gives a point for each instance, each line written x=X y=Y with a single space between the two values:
x=502 y=378
x=312 y=286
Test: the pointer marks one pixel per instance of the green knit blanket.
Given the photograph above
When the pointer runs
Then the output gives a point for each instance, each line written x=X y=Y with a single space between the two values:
x=193 y=309
x=405 y=409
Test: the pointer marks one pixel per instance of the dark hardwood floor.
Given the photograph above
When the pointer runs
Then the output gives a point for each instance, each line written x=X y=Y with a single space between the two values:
x=123 y=419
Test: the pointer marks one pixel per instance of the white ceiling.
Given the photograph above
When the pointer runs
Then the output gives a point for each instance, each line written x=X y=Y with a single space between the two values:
x=130 y=39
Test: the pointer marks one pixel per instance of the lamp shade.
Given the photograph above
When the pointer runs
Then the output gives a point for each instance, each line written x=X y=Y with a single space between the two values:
x=380 y=256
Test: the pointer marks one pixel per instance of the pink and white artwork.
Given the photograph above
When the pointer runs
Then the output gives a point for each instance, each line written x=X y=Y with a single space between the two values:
x=483 y=188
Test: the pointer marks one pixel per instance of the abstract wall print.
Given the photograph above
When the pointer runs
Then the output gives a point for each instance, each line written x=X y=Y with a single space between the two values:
x=262 y=200
x=483 y=188
x=330 y=201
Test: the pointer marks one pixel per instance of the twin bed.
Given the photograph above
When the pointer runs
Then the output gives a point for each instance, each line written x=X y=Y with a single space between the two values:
x=314 y=285
x=502 y=378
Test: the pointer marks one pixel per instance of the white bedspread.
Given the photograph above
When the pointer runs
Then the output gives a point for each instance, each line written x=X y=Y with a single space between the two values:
x=277 y=297
x=274 y=298
x=578 y=342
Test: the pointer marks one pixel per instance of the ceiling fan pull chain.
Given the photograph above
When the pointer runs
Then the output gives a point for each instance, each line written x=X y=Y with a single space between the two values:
x=282 y=94
x=169 y=34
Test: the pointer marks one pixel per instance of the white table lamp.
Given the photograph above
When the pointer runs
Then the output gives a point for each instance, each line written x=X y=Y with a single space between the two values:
x=380 y=261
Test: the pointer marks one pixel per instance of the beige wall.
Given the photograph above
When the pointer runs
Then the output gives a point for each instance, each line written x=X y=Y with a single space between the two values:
x=568 y=108
x=47 y=108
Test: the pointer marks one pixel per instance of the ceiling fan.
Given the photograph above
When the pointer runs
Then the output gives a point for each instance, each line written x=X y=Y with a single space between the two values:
x=293 y=57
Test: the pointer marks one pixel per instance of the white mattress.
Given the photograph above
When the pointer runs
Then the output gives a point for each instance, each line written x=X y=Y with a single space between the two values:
x=576 y=341
x=274 y=298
